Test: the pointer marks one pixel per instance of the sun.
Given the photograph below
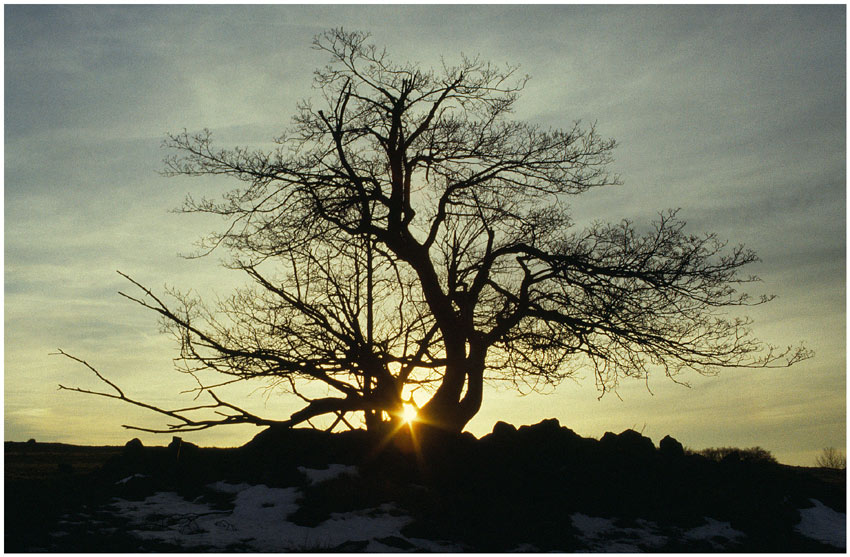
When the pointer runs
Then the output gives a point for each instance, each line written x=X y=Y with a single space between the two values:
x=408 y=413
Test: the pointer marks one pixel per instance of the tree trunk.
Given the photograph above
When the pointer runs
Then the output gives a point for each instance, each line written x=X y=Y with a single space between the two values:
x=449 y=412
x=471 y=402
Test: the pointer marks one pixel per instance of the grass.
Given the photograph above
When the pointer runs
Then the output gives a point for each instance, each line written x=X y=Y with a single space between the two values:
x=39 y=461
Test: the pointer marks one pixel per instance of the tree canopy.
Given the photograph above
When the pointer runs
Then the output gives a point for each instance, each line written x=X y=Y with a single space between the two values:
x=408 y=236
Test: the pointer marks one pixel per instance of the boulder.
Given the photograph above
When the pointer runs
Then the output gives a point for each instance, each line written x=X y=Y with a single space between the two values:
x=670 y=447
x=134 y=447
x=503 y=429
x=279 y=450
x=629 y=442
x=183 y=452
x=132 y=459
x=544 y=427
x=135 y=487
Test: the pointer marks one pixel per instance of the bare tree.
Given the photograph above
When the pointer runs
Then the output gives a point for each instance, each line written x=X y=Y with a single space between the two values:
x=410 y=235
x=832 y=458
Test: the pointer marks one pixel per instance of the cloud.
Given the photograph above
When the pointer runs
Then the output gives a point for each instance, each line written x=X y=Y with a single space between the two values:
x=736 y=114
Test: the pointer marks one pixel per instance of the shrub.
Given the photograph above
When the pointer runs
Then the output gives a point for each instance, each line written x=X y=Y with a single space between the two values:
x=832 y=458
x=752 y=454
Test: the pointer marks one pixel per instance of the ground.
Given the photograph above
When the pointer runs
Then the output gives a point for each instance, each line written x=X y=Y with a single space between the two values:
x=305 y=491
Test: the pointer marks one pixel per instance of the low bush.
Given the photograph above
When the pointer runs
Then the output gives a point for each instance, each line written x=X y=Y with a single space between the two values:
x=832 y=458
x=752 y=454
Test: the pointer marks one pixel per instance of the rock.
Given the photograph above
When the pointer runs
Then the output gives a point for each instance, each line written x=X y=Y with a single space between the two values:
x=467 y=437
x=133 y=458
x=135 y=487
x=297 y=444
x=544 y=435
x=670 y=447
x=502 y=433
x=397 y=542
x=547 y=426
x=351 y=546
x=184 y=458
x=134 y=444
x=181 y=447
x=190 y=526
x=630 y=442
x=134 y=448
x=503 y=429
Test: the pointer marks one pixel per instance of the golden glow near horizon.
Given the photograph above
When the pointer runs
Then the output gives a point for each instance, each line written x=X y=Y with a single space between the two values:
x=735 y=114
x=408 y=414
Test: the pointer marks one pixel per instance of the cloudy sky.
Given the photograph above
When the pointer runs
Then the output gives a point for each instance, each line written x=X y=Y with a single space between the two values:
x=736 y=115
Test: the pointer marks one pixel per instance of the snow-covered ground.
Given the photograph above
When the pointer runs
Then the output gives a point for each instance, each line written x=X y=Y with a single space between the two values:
x=603 y=535
x=824 y=525
x=256 y=518
x=258 y=521
x=333 y=471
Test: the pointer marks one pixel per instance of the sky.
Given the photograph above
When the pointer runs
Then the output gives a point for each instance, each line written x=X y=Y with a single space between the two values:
x=735 y=115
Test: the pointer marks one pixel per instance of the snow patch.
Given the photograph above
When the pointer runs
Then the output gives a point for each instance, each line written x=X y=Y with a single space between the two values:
x=130 y=478
x=715 y=532
x=259 y=522
x=334 y=470
x=157 y=505
x=226 y=487
x=823 y=524
x=603 y=535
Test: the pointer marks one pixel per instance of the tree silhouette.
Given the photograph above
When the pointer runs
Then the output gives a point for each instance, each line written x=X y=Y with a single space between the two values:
x=830 y=457
x=409 y=235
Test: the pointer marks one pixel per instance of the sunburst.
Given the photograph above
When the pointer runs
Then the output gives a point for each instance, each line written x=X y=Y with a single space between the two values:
x=408 y=413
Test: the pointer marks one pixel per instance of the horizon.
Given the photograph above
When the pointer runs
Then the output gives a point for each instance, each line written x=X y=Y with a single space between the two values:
x=656 y=442
x=736 y=115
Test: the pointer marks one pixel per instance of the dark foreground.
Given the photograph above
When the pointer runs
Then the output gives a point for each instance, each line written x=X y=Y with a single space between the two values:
x=539 y=488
